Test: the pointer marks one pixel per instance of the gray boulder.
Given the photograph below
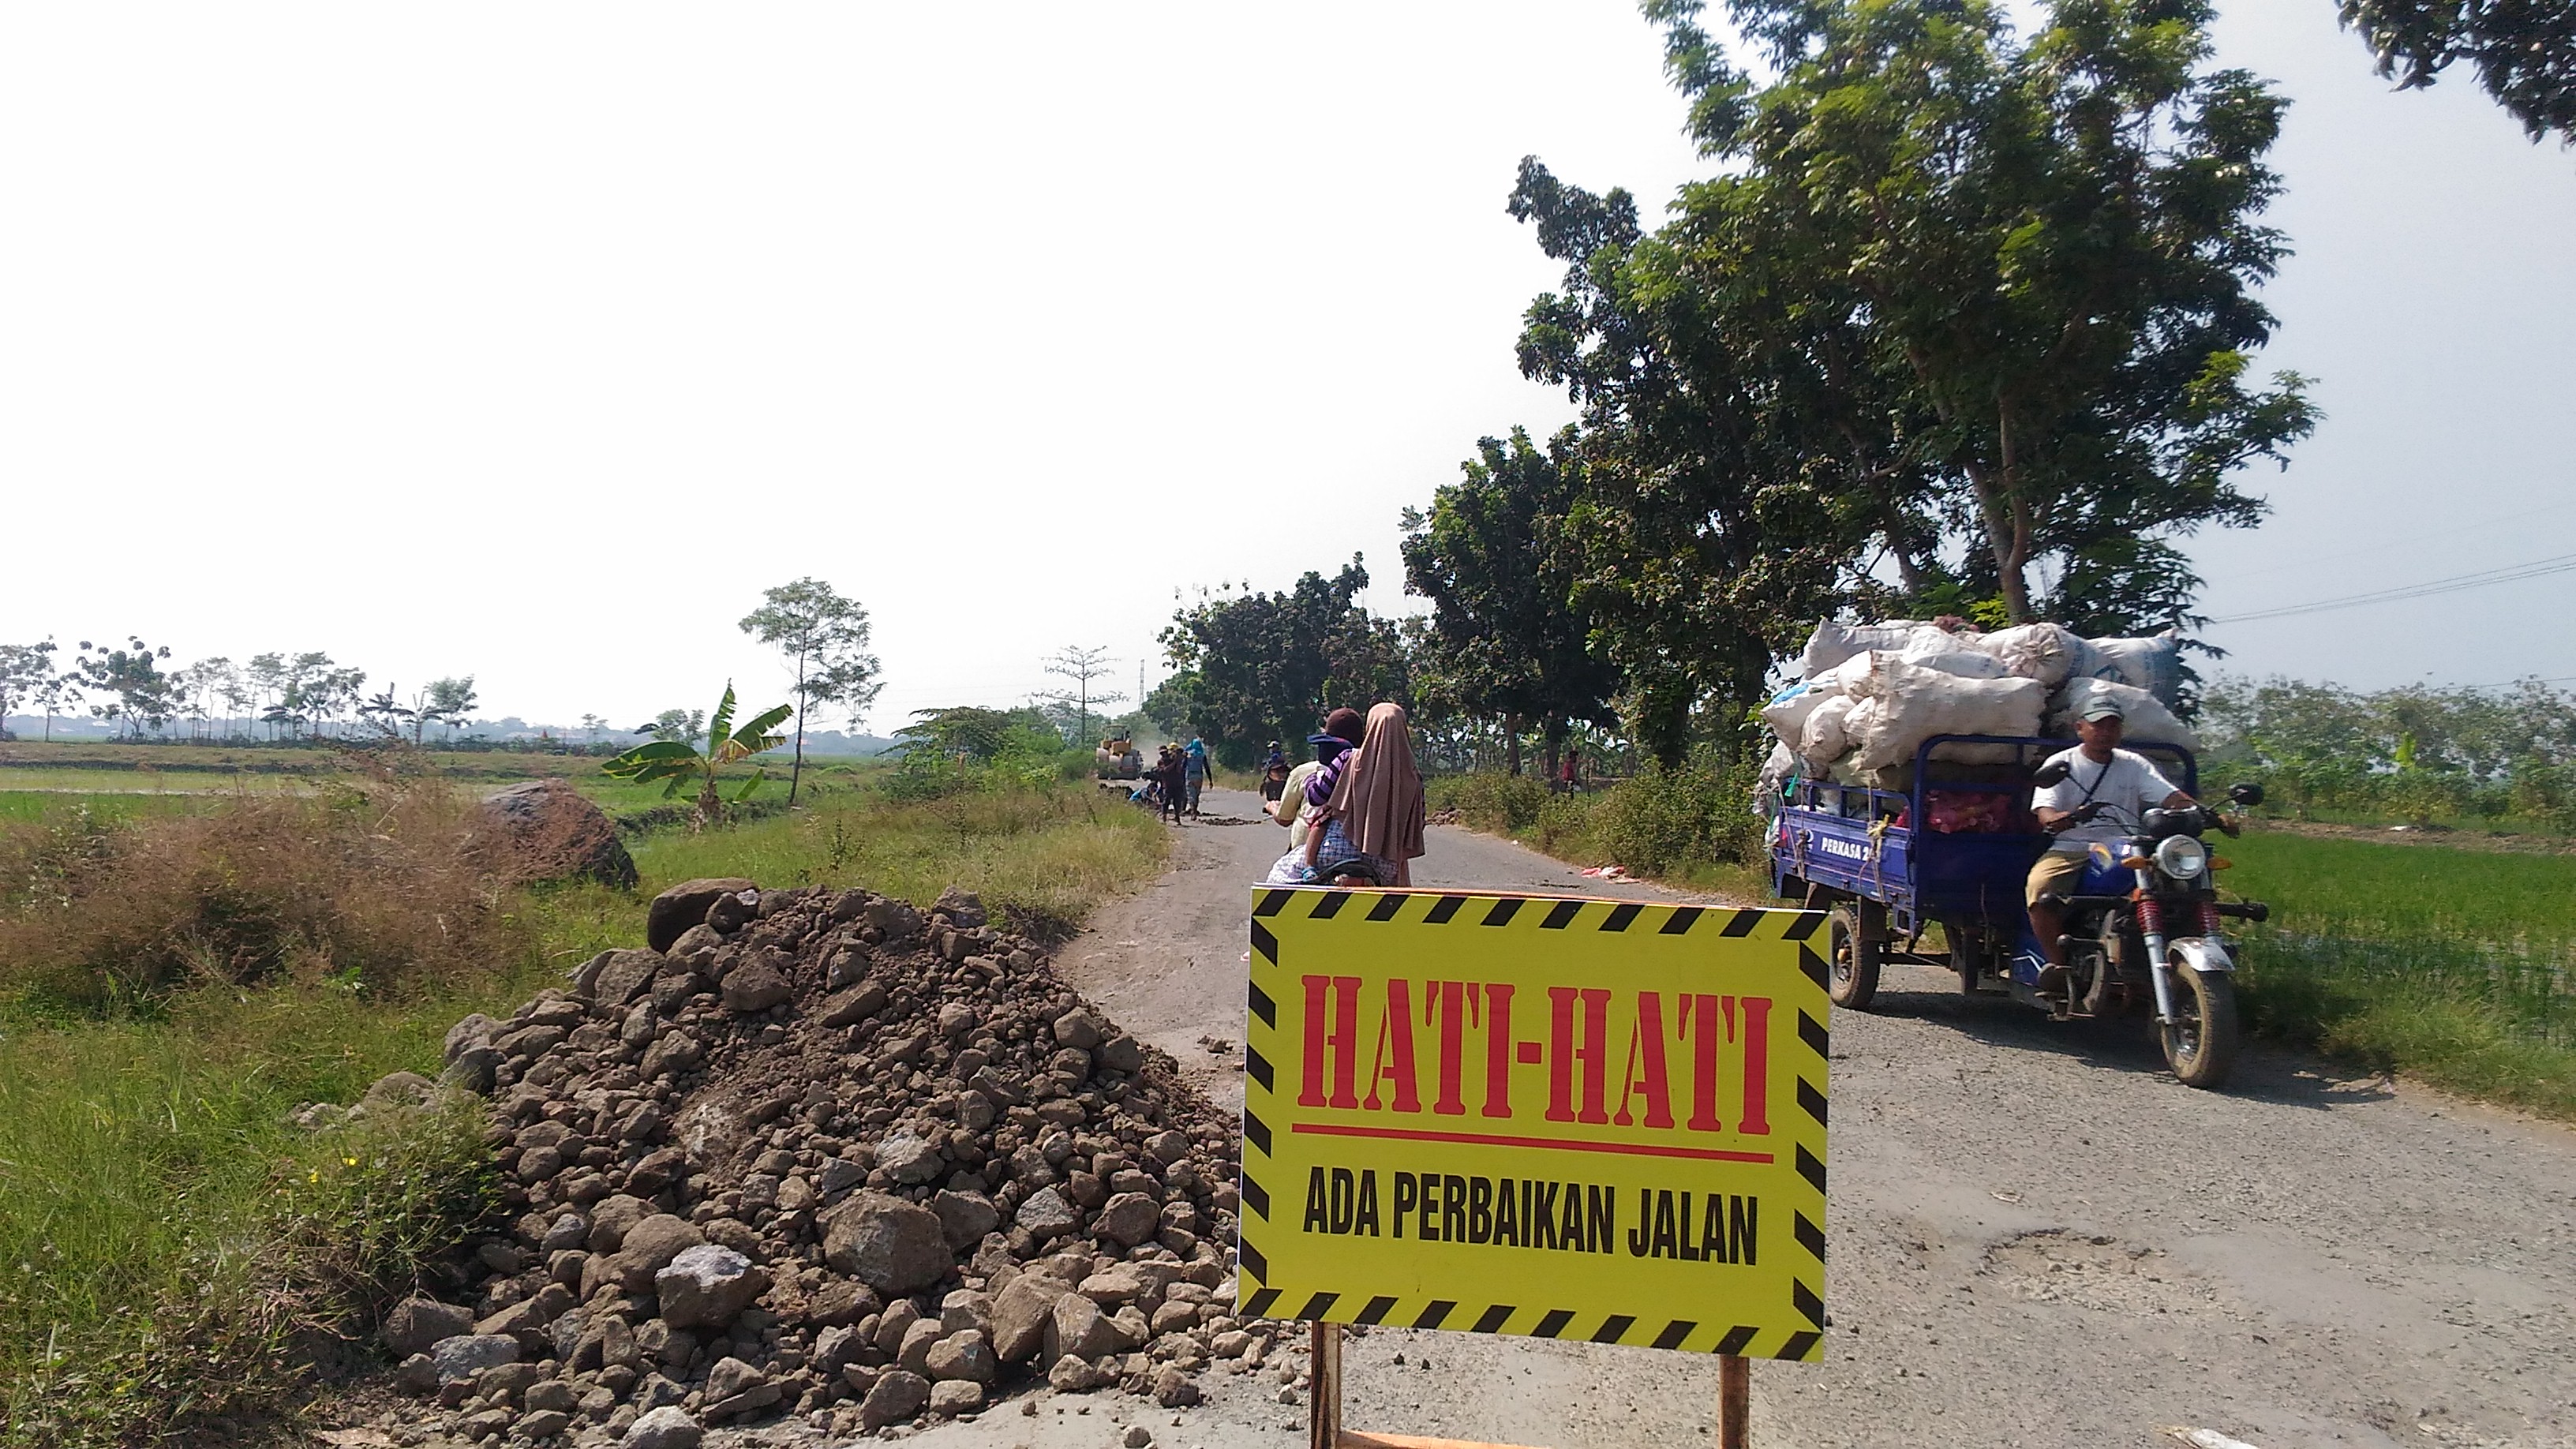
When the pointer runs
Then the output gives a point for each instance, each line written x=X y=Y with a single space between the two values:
x=889 y=1244
x=1128 y=1219
x=965 y=1216
x=547 y=830
x=707 y=1286
x=416 y=1324
x=756 y=986
x=1020 y=1315
x=855 y=1005
x=894 y=1398
x=467 y=1354
x=909 y=1159
x=668 y=1427
x=684 y=905
x=1046 y=1214
x=624 y=976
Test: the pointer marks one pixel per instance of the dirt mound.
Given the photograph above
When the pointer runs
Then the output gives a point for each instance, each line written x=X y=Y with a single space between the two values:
x=831 y=1156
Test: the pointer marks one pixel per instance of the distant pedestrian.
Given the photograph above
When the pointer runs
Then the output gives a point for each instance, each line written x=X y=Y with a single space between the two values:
x=1196 y=758
x=1172 y=775
x=1571 y=777
x=1371 y=818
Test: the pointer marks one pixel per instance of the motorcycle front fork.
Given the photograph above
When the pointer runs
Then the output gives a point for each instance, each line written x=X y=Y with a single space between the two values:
x=2151 y=925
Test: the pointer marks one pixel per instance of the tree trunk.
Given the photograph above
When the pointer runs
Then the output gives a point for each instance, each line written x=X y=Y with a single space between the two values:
x=2007 y=537
x=1512 y=742
x=796 y=772
x=1555 y=743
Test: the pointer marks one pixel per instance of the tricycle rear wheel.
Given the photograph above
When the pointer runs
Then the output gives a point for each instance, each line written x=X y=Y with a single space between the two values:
x=1851 y=977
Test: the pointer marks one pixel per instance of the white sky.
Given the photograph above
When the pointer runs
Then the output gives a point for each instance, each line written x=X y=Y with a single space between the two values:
x=533 y=342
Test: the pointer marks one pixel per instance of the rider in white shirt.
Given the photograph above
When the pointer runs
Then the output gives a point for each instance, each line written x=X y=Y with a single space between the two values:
x=2105 y=792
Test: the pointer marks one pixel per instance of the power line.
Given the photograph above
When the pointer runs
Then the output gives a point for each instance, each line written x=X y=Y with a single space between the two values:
x=2511 y=573
x=2415 y=538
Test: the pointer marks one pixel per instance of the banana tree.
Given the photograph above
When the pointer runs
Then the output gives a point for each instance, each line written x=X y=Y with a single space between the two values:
x=680 y=761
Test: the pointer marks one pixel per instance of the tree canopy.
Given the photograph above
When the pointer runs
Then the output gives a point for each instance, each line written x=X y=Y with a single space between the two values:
x=1494 y=558
x=1266 y=666
x=2524 y=51
x=1962 y=305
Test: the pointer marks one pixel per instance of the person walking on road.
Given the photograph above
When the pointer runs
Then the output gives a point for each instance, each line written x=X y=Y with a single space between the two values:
x=1171 y=778
x=1371 y=814
x=1196 y=759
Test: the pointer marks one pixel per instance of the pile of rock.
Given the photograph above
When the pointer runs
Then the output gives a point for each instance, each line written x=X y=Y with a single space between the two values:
x=822 y=1153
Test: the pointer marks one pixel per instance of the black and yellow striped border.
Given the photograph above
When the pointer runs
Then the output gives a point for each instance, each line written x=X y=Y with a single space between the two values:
x=1547 y=913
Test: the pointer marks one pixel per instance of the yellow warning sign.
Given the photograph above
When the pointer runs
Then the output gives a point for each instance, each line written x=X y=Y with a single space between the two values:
x=1552 y=1116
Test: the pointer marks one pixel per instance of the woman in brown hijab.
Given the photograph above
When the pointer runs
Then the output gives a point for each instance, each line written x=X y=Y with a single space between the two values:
x=1376 y=806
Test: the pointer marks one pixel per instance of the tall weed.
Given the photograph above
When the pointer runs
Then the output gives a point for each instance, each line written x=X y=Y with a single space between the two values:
x=368 y=887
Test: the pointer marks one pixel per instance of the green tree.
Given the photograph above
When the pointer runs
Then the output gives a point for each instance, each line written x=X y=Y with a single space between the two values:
x=25 y=671
x=142 y=695
x=1080 y=665
x=825 y=639
x=1265 y=666
x=449 y=700
x=2524 y=51
x=2055 y=238
x=1706 y=541
x=680 y=761
x=681 y=725
x=1494 y=559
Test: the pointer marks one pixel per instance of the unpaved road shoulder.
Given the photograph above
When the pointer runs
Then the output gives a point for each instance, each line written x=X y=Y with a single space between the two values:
x=2036 y=1237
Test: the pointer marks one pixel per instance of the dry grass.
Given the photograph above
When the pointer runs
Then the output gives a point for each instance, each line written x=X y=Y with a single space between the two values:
x=365 y=885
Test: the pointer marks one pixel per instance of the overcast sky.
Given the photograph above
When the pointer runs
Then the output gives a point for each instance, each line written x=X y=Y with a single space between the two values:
x=532 y=342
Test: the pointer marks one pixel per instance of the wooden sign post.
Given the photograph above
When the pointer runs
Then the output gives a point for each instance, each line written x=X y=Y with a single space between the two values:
x=1324 y=1403
x=1556 y=1117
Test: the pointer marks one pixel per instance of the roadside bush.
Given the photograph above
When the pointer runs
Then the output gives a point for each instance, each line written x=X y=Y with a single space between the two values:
x=1489 y=800
x=1662 y=820
x=365 y=887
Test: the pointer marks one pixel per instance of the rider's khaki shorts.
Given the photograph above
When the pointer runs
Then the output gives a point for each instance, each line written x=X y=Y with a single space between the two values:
x=2056 y=871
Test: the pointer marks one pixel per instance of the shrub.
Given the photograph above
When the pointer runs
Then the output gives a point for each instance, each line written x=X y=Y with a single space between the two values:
x=365 y=886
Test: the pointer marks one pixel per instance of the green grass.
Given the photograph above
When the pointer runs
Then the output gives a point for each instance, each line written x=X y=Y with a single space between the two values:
x=34 y=805
x=2454 y=966
x=153 y=1199
x=2457 y=967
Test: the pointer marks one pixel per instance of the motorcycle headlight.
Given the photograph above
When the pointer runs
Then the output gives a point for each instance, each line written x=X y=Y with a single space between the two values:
x=2182 y=857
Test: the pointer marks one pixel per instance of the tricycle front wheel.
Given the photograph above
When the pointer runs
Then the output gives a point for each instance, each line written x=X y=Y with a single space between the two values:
x=2200 y=1043
x=1852 y=969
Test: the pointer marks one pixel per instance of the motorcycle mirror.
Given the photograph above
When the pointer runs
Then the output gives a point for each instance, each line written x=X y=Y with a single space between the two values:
x=2050 y=774
x=2248 y=794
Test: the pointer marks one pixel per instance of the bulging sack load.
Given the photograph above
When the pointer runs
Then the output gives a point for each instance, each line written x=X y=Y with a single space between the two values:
x=1913 y=704
x=1954 y=656
x=2045 y=652
x=1826 y=737
x=2144 y=718
x=1833 y=643
x=2153 y=664
x=1788 y=710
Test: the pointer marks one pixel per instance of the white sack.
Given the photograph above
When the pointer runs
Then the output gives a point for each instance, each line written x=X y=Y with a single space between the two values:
x=1833 y=643
x=2153 y=664
x=1788 y=710
x=1826 y=738
x=2045 y=652
x=1913 y=704
x=1859 y=676
x=1777 y=767
x=1951 y=656
x=2144 y=718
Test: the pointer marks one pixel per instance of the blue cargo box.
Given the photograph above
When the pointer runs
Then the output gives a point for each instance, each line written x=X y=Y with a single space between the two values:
x=1875 y=844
